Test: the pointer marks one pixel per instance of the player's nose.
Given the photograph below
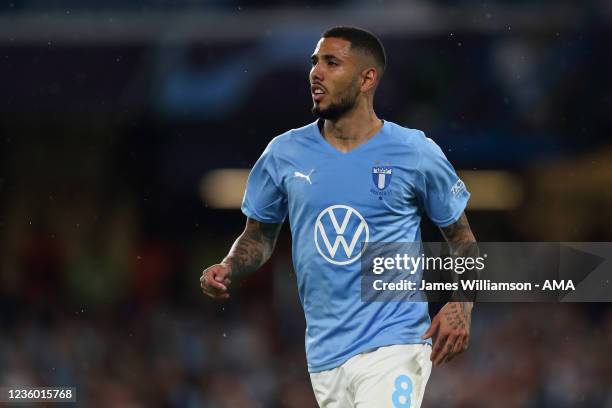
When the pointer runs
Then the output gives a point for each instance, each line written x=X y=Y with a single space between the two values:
x=316 y=74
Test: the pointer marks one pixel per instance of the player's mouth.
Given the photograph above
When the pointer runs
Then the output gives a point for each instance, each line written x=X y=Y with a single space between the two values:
x=317 y=92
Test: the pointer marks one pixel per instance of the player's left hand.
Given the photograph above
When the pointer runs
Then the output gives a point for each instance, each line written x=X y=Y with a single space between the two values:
x=450 y=330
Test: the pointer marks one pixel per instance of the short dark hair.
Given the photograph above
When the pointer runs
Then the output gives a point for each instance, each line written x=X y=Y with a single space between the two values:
x=362 y=40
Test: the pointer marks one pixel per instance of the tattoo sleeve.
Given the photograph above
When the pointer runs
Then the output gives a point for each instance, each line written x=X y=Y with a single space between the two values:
x=253 y=247
x=462 y=243
x=458 y=232
x=459 y=315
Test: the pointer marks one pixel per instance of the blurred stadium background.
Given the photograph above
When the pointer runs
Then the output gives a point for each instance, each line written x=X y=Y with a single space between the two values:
x=127 y=129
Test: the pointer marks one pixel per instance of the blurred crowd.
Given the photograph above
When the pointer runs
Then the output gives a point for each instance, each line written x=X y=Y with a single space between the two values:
x=519 y=356
x=103 y=232
x=130 y=329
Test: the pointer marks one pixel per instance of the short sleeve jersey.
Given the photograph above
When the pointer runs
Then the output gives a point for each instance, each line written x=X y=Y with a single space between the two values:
x=335 y=201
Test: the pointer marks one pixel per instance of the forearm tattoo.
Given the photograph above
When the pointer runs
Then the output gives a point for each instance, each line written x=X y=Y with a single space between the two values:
x=462 y=243
x=458 y=232
x=458 y=315
x=253 y=247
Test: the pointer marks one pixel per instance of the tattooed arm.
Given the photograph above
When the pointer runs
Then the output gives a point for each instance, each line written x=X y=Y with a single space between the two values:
x=250 y=250
x=462 y=243
x=451 y=326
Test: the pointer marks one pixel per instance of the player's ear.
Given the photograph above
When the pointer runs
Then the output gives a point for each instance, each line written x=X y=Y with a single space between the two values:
x=369 y=77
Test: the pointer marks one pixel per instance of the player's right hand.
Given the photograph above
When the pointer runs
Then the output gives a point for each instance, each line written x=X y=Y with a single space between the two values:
x=215 y=281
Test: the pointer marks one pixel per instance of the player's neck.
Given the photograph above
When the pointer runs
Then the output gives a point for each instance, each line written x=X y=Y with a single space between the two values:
x=351 y=130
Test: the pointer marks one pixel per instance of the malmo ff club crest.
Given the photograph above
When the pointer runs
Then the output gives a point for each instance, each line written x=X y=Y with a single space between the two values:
x=382 y=176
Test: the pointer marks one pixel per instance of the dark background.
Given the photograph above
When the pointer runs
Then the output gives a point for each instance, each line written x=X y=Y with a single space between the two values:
x=113 y=114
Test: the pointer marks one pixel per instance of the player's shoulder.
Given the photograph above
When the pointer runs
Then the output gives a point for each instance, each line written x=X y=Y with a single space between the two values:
x=414 y=139
x=291 y=138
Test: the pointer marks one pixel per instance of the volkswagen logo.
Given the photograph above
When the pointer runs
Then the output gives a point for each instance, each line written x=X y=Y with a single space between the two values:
x=347 y=234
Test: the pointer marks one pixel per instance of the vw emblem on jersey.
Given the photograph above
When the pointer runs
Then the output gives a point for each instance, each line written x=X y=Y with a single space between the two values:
x=382 y=176
x=346 y=234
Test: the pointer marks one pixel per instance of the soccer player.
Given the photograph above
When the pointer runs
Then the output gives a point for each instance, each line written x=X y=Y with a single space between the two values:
x=348 y=178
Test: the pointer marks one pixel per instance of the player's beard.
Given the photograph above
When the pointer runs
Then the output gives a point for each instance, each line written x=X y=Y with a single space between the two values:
x=336 y=109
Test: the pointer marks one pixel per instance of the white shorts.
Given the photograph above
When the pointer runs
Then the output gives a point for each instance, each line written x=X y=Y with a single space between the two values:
x=393 y=377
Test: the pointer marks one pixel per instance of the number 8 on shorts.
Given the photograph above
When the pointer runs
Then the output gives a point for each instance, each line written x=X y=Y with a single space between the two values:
x=403 y=389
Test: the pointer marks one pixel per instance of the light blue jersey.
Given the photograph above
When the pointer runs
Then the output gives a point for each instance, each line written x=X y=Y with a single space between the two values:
x=377 y=192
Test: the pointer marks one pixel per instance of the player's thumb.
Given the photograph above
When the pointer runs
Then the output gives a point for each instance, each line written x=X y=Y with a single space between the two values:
x=432 y=328
x=221 y=272
x=217 y=275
